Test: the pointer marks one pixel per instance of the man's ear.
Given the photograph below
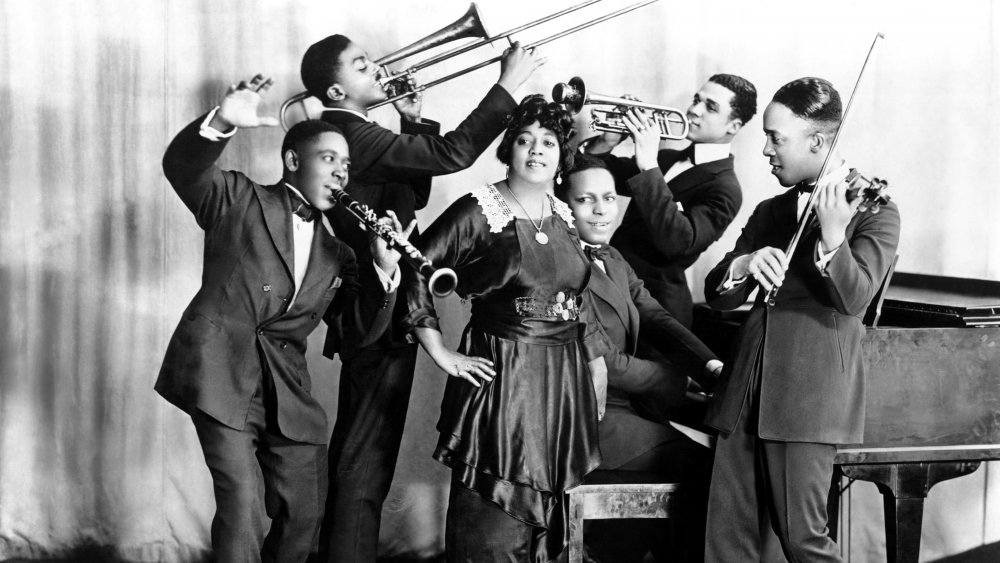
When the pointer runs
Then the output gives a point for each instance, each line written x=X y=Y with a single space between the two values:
x=734 y=126
x=335 y=93
x=817 y=141
x=291 y=159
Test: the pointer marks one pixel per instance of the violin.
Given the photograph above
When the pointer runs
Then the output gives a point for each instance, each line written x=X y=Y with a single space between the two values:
x=871 y=192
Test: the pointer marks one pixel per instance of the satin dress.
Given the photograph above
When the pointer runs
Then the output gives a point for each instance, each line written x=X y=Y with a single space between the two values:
x=531 y=433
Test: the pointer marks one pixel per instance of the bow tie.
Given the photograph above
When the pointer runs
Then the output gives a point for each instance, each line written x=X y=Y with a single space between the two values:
x=805 y=187
x=307 y=212
x=687 y=154
x=596 y=252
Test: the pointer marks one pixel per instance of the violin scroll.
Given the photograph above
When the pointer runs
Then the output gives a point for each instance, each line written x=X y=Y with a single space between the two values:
x=871 y=192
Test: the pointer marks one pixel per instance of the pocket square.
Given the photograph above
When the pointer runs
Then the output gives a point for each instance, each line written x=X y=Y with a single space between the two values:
x=336 y=282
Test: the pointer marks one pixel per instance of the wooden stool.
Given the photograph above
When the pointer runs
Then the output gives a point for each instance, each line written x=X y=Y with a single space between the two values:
x=632 y=500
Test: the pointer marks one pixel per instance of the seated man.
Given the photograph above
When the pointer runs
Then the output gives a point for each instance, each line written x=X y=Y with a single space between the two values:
x=634 y=448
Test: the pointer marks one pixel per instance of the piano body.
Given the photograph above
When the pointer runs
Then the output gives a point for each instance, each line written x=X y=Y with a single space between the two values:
x=933 y=393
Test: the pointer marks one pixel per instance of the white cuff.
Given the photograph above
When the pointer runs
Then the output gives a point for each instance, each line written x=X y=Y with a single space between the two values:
x=389 y=284
x=729 y=283
x=211 y=133
x=823 y=260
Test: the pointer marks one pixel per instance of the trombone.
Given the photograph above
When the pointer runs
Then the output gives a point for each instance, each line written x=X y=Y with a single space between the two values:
x=574 y=96
x=399 y=85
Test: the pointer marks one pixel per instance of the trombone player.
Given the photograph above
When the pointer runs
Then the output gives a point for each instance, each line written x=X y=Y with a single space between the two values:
x=389 y=172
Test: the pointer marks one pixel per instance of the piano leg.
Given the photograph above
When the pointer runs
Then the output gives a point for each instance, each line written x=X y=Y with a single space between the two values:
x=904 y=486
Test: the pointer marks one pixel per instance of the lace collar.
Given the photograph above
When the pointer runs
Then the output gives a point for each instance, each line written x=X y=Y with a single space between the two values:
x=498 y=213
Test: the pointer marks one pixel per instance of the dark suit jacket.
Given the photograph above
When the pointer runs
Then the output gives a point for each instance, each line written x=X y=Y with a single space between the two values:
x=658 y=239
x=394 y=171
x=237 y=324
x=622 y=305
x=812 y=386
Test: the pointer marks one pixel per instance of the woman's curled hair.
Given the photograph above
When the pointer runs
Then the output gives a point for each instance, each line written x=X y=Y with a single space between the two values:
x=549 y=115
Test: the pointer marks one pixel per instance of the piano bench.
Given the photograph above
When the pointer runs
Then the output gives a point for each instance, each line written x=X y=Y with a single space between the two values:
x=626 y=500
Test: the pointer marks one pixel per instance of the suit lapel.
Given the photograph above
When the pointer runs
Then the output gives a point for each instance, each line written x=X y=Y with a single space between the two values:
x=617 y=274
x=698 y=175
x=609 y=287
x=277 y=209
x=603 y=287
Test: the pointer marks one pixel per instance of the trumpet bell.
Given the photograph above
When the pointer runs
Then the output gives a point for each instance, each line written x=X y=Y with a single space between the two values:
x=671 y=122
x=573 y=94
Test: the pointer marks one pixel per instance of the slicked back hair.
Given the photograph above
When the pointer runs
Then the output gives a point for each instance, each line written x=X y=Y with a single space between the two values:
x=744 y=103
x=812 y=99
x=305 y=131
x=581 y=162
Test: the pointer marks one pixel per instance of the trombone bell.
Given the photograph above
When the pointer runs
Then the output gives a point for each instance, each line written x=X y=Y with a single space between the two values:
x=402 y=84
x=469 y=25
x=672 y=123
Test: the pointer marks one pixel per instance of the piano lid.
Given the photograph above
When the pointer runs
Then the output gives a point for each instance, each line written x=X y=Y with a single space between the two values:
x=920 y=300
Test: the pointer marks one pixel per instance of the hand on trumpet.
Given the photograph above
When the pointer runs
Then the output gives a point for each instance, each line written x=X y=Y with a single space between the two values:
x=608 y=140
x=646 y=136
x=409 y=107
x=240 y=106
x=387 y=258
x=517 y=65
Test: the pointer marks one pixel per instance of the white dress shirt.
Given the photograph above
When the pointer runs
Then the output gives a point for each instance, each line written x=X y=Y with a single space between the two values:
x=703 y=154
x=302 y=231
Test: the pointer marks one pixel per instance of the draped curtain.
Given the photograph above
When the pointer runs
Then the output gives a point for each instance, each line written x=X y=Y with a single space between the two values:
x=98 y=257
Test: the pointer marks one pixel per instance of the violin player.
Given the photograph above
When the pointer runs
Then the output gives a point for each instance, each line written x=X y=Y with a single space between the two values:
x=795 y=388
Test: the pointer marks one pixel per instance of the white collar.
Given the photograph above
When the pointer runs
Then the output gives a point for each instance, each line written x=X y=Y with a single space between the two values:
x=326 y=222
x=838 y=173
x=710 y=152
x=350 y=111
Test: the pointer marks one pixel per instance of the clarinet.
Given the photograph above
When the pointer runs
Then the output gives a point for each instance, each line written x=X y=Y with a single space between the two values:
x=441 y=281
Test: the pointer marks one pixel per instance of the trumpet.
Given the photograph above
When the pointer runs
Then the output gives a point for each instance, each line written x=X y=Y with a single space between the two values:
x=399 y=85
x=574 y=96
x=441 y=281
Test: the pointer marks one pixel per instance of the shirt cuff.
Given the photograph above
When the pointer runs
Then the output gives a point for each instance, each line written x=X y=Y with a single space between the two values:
x=730 y=283
x=389 y=283
x=823 y=260
x=211 y=133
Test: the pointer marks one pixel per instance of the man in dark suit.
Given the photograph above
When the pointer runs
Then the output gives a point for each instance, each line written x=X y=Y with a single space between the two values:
x=634 y=447
x=682 y=201
x=236 y=362
x=389 y=172
x=796 y=387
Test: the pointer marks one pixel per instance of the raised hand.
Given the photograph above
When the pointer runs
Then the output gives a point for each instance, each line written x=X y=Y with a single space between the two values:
x=517 y=65
x=646 y=136
x=239 y=107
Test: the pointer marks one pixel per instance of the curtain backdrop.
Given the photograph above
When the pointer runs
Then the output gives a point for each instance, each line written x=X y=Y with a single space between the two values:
x=98 y=257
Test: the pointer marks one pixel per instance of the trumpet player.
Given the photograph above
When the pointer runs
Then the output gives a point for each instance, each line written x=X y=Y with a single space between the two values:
x=683 y=200
x=389 y=171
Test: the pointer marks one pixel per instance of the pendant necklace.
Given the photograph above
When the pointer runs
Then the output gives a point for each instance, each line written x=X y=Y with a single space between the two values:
x=540 y=237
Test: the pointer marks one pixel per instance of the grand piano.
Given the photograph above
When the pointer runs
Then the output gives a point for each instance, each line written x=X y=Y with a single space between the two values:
x=932 y=354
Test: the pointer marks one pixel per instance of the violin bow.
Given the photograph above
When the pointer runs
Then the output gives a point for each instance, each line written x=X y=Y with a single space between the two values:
x=811 y=202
